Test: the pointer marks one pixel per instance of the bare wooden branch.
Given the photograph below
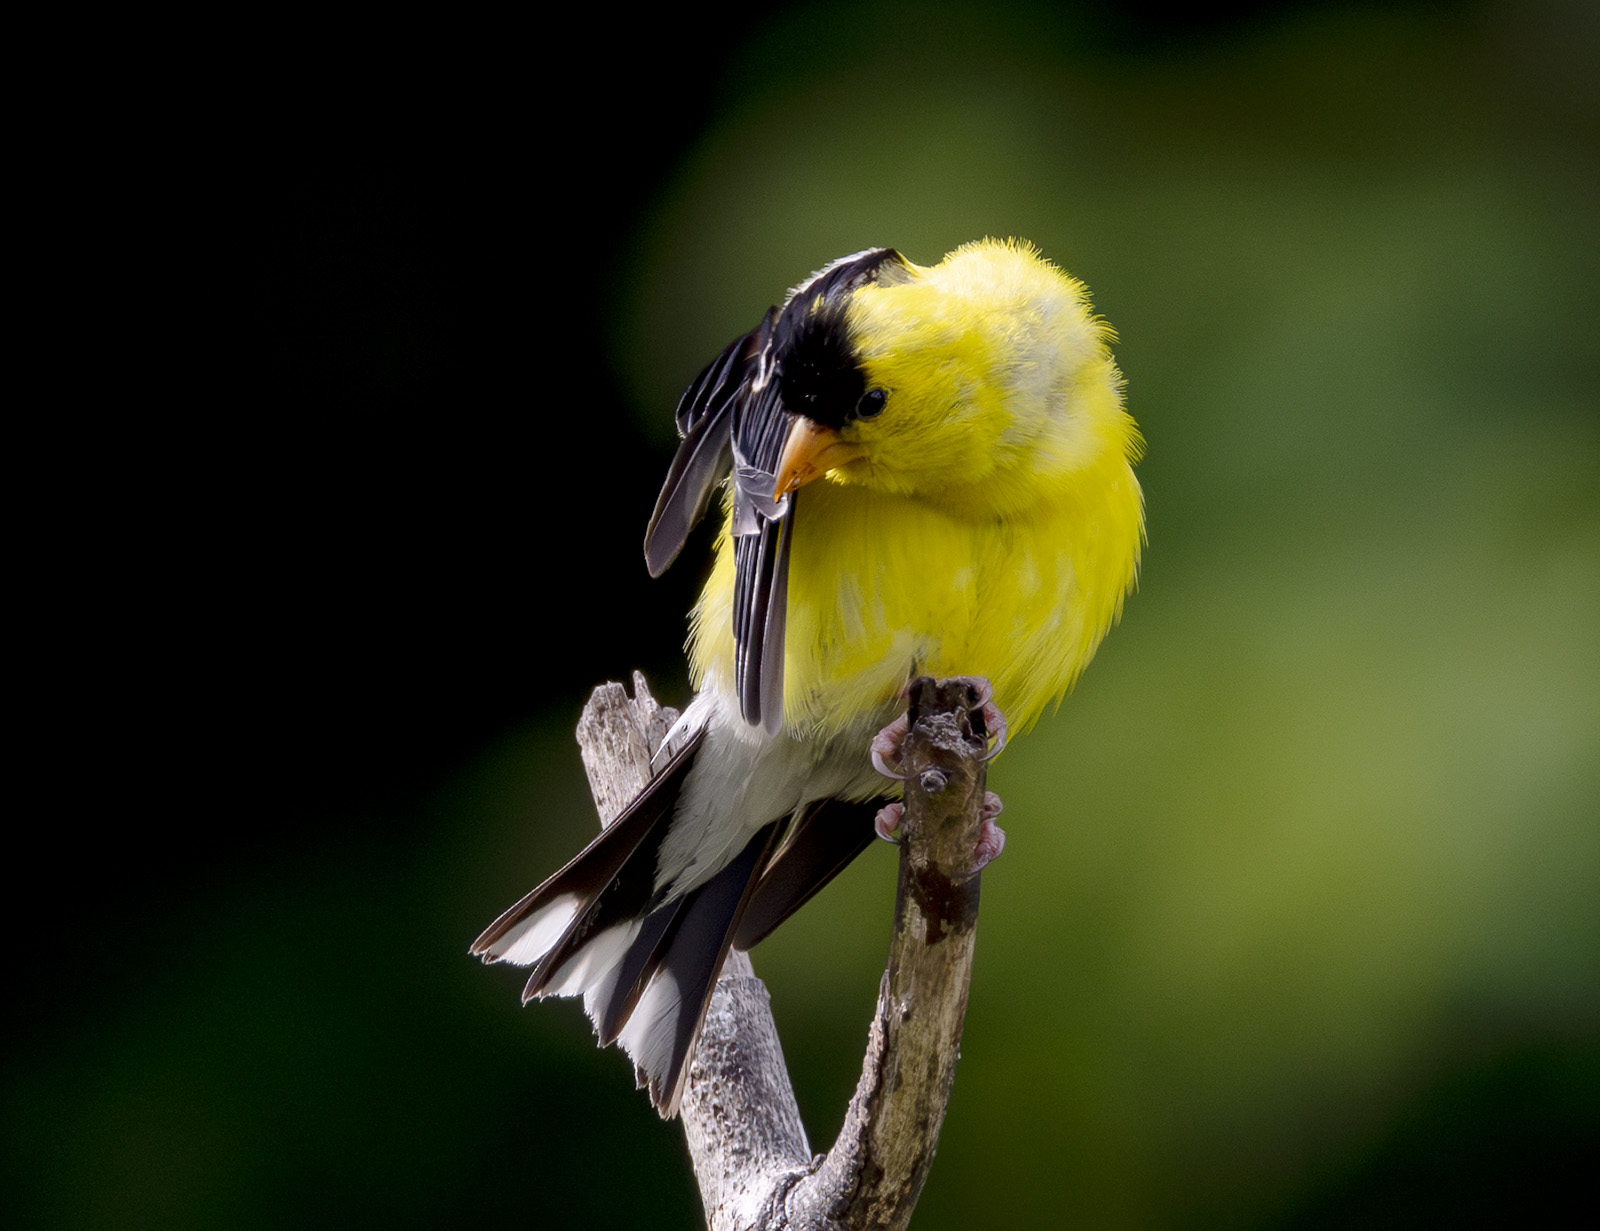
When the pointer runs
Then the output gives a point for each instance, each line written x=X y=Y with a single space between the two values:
x=748 y=1145
x=740 y=1117
x=874 y=1174
x=617 y=737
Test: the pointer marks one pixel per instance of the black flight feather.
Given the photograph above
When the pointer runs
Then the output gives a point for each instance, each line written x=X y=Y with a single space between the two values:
x=702 y=460
x=824 y=842
x=599 y=864
x=702 y=933
x=738 y=413
x=642 y=960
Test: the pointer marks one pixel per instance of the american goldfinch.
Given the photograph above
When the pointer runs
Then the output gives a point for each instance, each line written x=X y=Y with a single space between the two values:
x=932 y=474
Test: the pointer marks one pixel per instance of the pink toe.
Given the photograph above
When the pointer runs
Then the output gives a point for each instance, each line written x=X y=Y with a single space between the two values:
x=990 y=843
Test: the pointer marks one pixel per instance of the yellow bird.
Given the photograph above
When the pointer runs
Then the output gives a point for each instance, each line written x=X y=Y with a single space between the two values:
x=932 y=474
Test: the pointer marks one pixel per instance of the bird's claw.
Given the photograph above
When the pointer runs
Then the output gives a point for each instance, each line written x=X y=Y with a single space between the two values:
x=991 y=838
x=990 y=721
x=886 y=743
x=994 y=722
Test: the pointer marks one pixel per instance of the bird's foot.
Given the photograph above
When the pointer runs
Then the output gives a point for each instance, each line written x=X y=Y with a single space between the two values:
x=887 y=823
x=987 y=722
x=991 y=838
x=986 y=718
x=994 y=722
x=886 y=748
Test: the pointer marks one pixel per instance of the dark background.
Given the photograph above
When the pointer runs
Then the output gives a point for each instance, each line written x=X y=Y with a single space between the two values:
x=1297 y=927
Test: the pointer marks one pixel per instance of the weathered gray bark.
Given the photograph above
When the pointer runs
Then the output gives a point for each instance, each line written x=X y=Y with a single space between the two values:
x=751 y=1159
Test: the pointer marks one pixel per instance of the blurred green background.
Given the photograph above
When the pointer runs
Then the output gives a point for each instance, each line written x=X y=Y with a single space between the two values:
x=1298 y=925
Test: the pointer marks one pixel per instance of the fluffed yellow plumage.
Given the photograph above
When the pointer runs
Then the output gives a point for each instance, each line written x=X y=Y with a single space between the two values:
x=932 y=474
x=990 y=523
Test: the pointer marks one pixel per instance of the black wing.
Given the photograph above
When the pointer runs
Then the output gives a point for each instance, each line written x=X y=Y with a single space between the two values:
x=763 y=529
x=732 y=417
x=735 y=415
x=703 y=459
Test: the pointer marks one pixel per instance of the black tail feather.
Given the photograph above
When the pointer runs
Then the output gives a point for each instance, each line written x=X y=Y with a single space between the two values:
x=633 y=972
x=830 y=834
x=684 y=941
x=694 y=950
x=625 y=896
x=589 y=872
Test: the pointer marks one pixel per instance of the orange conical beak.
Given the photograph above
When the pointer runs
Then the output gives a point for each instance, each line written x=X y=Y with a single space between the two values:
x=810 y=452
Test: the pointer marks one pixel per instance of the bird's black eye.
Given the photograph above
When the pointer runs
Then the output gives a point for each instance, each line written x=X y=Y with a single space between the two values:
x=871 y=404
